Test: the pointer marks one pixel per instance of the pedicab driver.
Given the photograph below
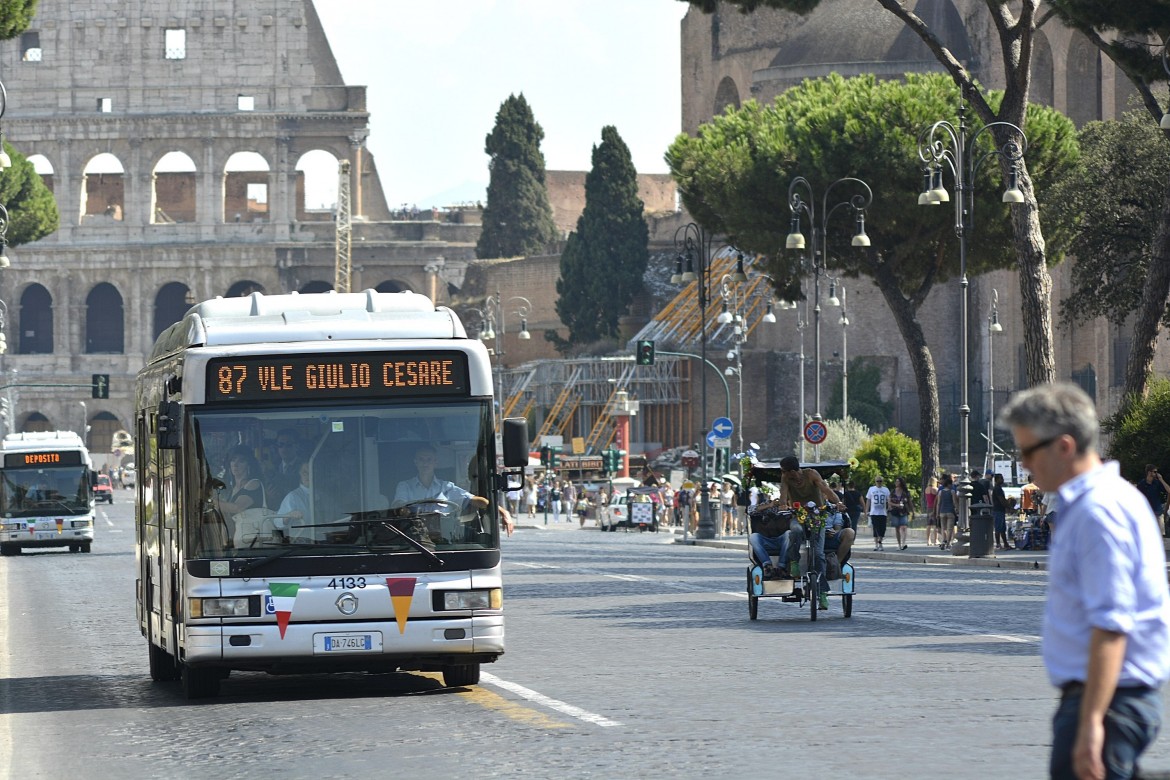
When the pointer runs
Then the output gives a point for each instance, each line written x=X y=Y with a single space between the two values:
x=426 y=486
x=803 y=485
x=1106 y=631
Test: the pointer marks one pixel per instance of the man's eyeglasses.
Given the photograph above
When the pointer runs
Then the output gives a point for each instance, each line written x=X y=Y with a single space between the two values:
x=1032 y=449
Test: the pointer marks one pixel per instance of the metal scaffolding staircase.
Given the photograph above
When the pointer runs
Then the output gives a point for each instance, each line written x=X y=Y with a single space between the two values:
x=602 y=425
x=562 y=410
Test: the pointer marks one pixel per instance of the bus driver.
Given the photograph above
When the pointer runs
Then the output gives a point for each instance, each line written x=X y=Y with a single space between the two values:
x=426 y=486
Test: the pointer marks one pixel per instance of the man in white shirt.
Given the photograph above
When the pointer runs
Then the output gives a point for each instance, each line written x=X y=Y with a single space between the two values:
x=1106 y=633
x=427 y=486
x=877 y=502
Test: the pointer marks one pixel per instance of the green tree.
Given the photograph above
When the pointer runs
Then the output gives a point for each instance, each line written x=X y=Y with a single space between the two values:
x=605 y=258
x=517 y=219
x=865 y=400
x=32 y=209
x=1122 y=30
x=1115 y=197
x=15 y=17
x=1015 y=30
x=890 y=454
x=1132 y=443
x=734 y=177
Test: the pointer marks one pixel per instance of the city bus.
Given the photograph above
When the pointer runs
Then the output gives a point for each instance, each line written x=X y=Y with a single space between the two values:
x=46 y=492
x=383 y=555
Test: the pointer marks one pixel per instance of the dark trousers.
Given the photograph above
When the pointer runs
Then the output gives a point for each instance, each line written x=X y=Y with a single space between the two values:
x=1131 y=724
x=879 y=526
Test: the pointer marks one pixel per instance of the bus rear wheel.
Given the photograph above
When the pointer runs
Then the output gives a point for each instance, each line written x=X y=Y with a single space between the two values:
x=200 y=683
x=461 y=676
x=9 y=549
x=162 y=664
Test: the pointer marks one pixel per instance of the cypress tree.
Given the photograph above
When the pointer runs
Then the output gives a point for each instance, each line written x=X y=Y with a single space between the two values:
x=605 y=258
x=517 y=219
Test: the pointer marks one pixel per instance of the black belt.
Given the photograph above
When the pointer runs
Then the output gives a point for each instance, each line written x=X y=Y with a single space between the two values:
x=1076 y=687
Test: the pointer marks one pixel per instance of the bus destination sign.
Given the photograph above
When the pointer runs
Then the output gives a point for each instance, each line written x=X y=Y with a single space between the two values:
x=24 y=460
x=337 y=375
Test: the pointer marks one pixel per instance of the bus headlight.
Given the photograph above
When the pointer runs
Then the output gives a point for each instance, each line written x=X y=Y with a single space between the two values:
x=473 y=599
x=220 y=607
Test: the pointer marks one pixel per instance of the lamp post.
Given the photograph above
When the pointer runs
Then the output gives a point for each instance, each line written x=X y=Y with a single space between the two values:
x=844 y=323
x=493 y=327
x=993 y=327
x=692 y=246
x=801 y=322
x=797 y=205
x=940 y=146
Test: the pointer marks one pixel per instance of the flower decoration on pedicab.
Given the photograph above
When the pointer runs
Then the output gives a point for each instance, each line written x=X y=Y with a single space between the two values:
x=810 y=516
x=853 y=463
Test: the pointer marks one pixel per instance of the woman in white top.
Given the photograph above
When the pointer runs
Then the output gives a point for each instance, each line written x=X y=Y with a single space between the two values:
x=727 y=504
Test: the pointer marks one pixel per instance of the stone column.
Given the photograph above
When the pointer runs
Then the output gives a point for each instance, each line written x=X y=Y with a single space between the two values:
x=282 y=206
x=209 y=198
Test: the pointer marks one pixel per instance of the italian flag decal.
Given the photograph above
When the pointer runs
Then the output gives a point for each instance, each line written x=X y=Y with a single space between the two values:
x=284 y=595
x=401 y=594
x=60 y=525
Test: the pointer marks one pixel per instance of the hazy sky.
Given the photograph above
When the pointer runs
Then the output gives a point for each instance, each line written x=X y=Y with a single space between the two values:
x=436 y=72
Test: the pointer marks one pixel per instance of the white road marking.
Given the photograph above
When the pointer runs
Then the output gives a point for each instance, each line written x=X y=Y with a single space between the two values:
x=546 y=701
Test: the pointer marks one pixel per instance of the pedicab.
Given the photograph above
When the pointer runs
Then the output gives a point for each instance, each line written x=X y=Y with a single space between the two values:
x=801 y=587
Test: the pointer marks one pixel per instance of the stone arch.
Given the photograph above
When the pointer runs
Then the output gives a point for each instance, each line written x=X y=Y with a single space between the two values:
x=1042 y=90
x=392 y=286
x=43 y=168
x=1083 y=79
x=103 y=189
x=102 y=426
x=727 y=94
x=35 y=321
x=170 y=304
x=245 y=187
x=35 y=421
x=316 y=286
x=243 y=289
x=104 y=321
x=316 y=186
x=174 y=190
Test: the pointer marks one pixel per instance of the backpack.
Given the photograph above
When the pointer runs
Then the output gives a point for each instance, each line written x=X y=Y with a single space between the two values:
x=742 y=496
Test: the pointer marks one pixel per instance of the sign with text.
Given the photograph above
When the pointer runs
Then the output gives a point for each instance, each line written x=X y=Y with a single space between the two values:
x=336 y=375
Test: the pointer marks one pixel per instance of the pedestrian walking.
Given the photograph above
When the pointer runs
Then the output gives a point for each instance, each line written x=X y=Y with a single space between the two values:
x=1000 y=504
x=853 y=503
x=530 y=497
x=944 y=511
x=877 y=502
x=554 y=498
x=930 y=498
x=1155 y=489
x=1106 y=631
x=901 y=509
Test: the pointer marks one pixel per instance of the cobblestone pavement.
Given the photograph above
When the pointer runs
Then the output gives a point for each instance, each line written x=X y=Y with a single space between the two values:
x=628 y=656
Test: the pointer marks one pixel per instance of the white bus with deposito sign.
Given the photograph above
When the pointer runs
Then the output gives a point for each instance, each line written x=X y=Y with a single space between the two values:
x=47 y=492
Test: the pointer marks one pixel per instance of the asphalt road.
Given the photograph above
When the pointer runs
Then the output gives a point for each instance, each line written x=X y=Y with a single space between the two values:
x=627 y=657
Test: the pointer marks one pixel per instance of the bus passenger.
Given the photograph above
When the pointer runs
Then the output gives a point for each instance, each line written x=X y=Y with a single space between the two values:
x=296 y=509
x=243 y=489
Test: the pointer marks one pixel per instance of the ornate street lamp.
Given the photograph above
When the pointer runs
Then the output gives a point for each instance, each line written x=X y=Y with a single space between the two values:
x=797 y=205
x=943 y=146
x=692 y=245
x=993 y=327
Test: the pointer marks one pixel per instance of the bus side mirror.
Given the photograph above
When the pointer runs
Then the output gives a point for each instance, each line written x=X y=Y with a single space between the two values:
x=515 y=442
x=92 y=478
x=169 y=424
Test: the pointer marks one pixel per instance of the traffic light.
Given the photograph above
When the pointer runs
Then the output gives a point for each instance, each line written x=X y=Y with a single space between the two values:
x=554 y=456
x=544 y=455
x=609 y=461
x=100 y=386
x=645 y=353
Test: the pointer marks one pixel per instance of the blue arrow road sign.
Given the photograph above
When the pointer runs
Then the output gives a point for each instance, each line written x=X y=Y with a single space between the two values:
x=722 y=427
x=714 y=440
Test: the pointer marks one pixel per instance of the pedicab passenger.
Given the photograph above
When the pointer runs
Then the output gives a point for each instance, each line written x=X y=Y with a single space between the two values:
x=803 y=485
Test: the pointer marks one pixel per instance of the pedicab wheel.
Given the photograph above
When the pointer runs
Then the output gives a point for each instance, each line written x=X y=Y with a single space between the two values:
x=847 y=604
x=753 y=601
x=812 y=598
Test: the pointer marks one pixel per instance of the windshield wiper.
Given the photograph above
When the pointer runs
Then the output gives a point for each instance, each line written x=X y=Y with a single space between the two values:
x=256 y=564
x=436 y=561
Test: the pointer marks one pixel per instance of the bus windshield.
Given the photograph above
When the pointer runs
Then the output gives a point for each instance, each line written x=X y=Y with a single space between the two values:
x=33 y=492
x=343 y=480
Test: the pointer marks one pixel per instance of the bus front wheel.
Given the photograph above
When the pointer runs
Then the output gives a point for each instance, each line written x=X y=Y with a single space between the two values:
x=9 y=549
x=200 y=683
x=461 y=676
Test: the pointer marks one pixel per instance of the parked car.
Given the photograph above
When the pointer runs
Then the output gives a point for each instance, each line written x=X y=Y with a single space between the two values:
x=103 y=490
x=129 y=475
x=634 y=509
